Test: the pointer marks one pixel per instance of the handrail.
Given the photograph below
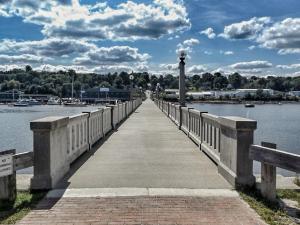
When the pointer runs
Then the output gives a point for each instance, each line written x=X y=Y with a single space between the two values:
x=59 y=141
x=271 y=158
x=226 y=140
x=275 y=157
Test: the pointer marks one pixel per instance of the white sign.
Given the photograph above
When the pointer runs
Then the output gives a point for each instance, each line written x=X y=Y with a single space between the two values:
x=6 y=165
x=104 y=89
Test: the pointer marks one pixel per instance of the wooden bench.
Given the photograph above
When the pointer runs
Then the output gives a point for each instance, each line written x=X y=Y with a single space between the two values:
x=271 y=158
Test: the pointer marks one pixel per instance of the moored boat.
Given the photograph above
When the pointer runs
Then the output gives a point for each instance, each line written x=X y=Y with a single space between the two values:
x=249 y=105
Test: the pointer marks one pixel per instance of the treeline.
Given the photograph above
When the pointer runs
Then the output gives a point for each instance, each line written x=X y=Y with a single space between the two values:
x=59 y=83
x=217 y=81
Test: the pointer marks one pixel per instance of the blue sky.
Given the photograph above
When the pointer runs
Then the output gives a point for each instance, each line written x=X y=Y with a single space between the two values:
x=258 y=37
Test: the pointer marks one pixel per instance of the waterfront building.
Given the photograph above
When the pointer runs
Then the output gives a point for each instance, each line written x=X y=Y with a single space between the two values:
x=94 y=95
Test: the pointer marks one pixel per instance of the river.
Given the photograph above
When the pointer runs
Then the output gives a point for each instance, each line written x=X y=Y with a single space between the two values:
x=278 y=124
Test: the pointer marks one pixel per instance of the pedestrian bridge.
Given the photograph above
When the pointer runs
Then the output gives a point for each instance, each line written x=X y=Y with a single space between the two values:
x=139 y=145
x=146 y=150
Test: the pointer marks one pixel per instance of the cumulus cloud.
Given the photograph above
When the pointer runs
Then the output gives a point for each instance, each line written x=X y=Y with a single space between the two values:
x=251 y=65
x=245 y=29
x=290 y=67
x=125 y=21
x=283 y=36
x=169 y=67
x=47 y=47
x=226 y=52
x=209 y=32
x=112 y=69
x=187 y=46
x=111 y=55
x=20 y=59
x=191 y=42
x=196 y=69
x=11 y=67
x=57 y=68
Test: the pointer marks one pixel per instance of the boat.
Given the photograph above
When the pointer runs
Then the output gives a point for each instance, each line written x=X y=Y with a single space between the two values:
x=74 y=103
x=249 y=105
x=21 y=103
x=53 y=101
x=33 y=101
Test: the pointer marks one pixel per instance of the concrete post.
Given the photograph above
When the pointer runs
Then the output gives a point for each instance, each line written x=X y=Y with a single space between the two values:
x=182 y=81
x=268 y=177
x=8 y=190
x=235 y=140
x=50 y=151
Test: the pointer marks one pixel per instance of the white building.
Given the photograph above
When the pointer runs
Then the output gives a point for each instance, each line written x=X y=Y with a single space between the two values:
x=294 y=93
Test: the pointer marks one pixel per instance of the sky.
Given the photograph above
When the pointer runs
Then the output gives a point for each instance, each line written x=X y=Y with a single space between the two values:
x=257 y=37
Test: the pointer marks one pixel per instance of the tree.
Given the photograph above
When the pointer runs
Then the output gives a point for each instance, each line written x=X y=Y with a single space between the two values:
x=235 y=80
x=105 y=84
x=28 y=68
x=118 y=83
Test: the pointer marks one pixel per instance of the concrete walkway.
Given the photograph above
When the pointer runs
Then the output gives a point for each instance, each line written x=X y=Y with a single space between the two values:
x=147 y=151
x=148 y=172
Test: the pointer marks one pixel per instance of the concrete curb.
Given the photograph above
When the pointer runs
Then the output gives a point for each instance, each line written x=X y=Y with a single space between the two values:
x=132 y=192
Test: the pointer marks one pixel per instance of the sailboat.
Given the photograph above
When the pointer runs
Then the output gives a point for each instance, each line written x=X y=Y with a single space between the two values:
x=74 y=102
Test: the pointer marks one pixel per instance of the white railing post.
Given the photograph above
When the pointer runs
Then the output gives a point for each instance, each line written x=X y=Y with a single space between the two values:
x=235 y=140
x=50 y=151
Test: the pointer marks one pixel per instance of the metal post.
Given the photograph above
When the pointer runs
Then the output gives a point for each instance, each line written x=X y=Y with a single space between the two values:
x=182 y=80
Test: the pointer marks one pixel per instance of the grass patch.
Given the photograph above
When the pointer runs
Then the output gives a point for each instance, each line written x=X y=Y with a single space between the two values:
x=25 y=201
x=270 y=212
x=289 y=194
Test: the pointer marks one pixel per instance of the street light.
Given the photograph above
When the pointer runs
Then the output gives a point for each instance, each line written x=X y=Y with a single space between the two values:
x=182 y=78
x=131 y=78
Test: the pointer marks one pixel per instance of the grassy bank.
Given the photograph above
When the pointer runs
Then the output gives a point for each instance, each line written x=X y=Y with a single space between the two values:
x=271 y=212
x=11 y=213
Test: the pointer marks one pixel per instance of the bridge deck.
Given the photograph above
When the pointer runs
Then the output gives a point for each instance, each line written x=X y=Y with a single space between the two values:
x=147 y=151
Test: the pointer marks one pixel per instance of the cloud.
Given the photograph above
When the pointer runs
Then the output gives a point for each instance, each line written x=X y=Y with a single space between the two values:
x=196 y=69
x=111 y=55
x=47 y=47
x=251 y=65
x=245 y=29
x=187 y=46
x=207 y=52
x=226 y=52
x=124 y=21
x=11 y=67
x=169 y=67
x=191 y=42
x=290 y=67
x=57 y=68
x=112 y=69
x=283 y=36
x=209 y=32
x=20 y=59
x=251 y=47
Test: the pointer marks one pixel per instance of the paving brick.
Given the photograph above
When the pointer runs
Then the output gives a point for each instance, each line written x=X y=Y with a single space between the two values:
x=143 y=211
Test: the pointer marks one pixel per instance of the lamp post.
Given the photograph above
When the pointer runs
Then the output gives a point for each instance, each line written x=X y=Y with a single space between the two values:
x=182 y=79
x=131 y=77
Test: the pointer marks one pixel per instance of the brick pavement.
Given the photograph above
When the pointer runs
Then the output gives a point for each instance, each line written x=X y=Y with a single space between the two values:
x=142 y=210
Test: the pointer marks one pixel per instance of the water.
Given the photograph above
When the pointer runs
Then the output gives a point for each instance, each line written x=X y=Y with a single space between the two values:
x=15 y=124
x=278 y=124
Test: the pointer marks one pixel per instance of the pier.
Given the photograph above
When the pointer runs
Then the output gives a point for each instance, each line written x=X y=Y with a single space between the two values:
x=150 y=162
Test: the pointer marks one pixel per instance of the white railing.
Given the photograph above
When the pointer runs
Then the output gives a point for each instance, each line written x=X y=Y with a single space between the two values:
x=59 y=141
x=107 y=124
x=77 y=136
x=185 y=119
x=211 y=136
x=225 y=140
x=95 y=126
